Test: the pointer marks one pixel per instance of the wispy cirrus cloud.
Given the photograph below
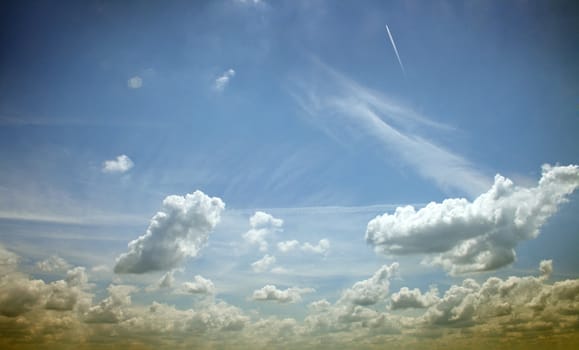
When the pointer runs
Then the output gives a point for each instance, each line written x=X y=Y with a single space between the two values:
x=336 y=98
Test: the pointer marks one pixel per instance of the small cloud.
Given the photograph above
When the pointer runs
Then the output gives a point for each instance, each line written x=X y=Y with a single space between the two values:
x=288 y=246
x=412 y=298
x=165 y=282
x=271 y=293
x=199 y=285
x=135 y=82
x=262 y=225
x=322 y=247
x=53 y=264
x=222 y=81
x=120 y=165
x=263 y=264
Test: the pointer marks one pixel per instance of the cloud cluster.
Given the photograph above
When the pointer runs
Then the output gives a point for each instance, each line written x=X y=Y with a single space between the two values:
x=223 y=80
x=199 y=285
x=19 y=294
x=179 y=230
x=463 y=236
x=354 y=309
x=322 y=247
x=500 y=313
x=262 y=225
x=271 y=293
x=121 y=164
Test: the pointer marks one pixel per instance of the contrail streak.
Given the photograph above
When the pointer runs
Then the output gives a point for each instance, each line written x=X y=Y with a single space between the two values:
x=395 y=50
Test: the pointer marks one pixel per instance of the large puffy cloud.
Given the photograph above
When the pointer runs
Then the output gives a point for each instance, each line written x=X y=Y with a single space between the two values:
x=463 y=236
x=262 y=225
x=179 y=230
x=272 y=293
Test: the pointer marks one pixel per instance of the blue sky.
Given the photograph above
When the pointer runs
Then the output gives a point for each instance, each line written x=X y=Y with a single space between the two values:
x=301 y=111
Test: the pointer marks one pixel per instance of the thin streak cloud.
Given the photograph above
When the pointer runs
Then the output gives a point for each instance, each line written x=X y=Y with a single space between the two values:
x=395 y=49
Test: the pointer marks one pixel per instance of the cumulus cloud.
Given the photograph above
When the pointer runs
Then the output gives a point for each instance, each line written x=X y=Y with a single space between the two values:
x=223 y=80
x=372 y=290
x=179 y=230
x=121 y=164
x=271 y=293
x=413 y=298
x=135 y=82
x=263 y=264
x=262 y=225
x=322 y=247
x=199 y=285
x=463 y=236
x=53 y=264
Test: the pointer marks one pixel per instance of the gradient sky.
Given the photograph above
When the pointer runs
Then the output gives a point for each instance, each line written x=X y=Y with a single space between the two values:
x=264 y=174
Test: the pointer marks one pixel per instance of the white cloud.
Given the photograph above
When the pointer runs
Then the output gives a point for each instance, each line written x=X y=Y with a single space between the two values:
x=372 y=290
x=199 y=285
x=322 y=247
x=121 y=164
x=413 y=298
x=53 y=264
x=262 y=225
x=135 y=82
x=223 y=80
x=463 y=236
x=263 y=264
x=288 y=246
x=335 y=102
x=271 y=293
x=179 y=230
x=249 y=1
